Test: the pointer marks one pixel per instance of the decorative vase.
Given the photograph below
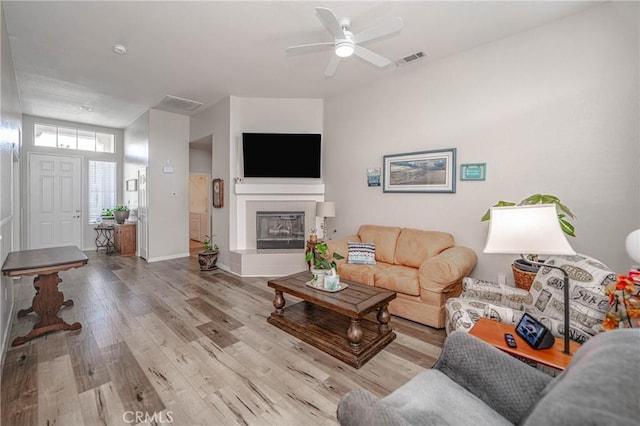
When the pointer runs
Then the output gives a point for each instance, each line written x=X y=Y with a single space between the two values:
x=524 y=273
x=121 y=216
x=107 y=220
x=318 y=276
x=207 y=260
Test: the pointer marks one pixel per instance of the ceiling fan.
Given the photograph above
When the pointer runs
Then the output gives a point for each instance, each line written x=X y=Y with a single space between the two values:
x=346 y=43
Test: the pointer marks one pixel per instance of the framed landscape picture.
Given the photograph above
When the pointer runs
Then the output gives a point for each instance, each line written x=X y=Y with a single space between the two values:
x=425 y=171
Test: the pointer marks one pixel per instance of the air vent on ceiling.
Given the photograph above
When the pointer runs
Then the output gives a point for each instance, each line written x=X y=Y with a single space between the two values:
x=411 y=58
x=178 y=105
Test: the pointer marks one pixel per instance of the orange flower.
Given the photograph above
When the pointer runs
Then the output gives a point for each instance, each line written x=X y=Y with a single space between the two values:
x=624 y=302
x=625 y=283
x=610 y=323
x=633 y=312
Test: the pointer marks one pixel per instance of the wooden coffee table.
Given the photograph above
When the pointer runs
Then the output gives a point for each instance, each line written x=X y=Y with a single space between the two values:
x=334 y=322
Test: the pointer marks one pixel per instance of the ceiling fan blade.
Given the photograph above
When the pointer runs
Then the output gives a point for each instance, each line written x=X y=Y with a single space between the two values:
x=388 y=27
x=332 y=66
x=372 y=57
x=330 y=22
x=313 y=47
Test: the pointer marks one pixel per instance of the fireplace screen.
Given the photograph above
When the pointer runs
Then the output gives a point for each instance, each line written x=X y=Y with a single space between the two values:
x=280 y=230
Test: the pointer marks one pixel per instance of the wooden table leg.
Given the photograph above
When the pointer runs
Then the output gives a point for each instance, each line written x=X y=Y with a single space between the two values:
x=46 y=304
x=355 y=333
x=278 y=302
x=383 y=319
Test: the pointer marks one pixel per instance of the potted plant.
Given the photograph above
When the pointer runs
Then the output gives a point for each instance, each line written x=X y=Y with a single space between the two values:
x=321 y=263
x=208 y=256
x=107 y=217
x=121 y=213
x=523 y=271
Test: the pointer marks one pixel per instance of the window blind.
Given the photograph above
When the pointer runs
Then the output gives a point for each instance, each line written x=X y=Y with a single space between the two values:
x=101 y=188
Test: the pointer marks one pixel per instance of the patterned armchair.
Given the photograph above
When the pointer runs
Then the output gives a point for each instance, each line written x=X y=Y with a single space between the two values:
x=545 y=301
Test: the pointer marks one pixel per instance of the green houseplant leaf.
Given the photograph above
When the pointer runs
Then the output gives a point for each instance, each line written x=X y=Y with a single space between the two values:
x=318 y=257
x=563 y=211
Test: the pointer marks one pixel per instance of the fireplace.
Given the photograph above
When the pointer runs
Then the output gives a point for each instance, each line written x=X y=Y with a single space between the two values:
x=280 y=230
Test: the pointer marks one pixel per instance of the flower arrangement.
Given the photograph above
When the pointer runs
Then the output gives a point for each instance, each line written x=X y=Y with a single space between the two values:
x=624 y=303
x=320 y=259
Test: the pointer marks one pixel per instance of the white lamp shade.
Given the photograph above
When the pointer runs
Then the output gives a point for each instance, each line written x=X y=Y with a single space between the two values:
x=526 y=229
x=633 y=245
x=326 y=209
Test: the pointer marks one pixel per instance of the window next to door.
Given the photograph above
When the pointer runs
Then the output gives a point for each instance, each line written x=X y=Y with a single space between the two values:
x=101 y=188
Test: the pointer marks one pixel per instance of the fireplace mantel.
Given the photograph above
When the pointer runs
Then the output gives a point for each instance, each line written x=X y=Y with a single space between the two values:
x=245 y=260
x=272 y=192
x=279 y=188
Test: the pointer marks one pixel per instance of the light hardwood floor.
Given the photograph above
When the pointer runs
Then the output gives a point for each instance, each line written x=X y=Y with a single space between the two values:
x=163 y=343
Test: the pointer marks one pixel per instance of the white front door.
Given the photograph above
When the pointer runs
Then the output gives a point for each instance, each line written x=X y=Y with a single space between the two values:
x=55 y=201
x=143 y=211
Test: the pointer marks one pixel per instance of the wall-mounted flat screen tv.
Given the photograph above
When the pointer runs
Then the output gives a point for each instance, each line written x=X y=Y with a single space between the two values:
x=281 y=155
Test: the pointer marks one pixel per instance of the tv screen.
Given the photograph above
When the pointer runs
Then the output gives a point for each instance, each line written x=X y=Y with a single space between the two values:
x=281 y=155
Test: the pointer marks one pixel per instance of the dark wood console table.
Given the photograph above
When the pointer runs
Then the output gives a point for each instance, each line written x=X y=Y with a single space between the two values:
x=45 y=263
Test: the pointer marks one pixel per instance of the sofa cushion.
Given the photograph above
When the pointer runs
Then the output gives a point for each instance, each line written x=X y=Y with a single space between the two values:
x=432 y=398
x=599 y=387
x=363 y=274
x=415 y=246
x=361 y=253
x=401 y=279
x=385 y=239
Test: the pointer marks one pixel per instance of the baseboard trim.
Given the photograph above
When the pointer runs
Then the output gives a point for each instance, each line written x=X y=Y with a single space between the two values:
x=170 y=257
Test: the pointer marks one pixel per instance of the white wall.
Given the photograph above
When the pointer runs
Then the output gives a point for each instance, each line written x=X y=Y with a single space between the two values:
x=88 y=231
x=199 y=161
x=10 y=125
x=215 y=121
x=168 y=193
x=269 y=115
x=552 y=110
x=136 y=153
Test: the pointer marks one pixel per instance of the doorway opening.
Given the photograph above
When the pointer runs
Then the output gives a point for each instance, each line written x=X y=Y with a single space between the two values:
x=200 y=196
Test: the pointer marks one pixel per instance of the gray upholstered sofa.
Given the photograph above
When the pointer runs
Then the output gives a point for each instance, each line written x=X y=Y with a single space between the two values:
x=472 y=383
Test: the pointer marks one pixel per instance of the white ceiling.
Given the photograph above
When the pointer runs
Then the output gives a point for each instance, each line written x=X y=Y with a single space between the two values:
x=207 y=50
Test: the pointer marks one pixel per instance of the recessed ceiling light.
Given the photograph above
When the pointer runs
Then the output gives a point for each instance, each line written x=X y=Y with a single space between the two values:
x=85 y=108
x=119 y=49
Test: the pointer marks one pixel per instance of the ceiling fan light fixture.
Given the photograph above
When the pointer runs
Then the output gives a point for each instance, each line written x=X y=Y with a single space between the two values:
x=344 y=48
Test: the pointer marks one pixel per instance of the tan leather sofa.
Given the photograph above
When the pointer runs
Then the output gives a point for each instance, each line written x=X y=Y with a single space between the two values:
x=424 y=268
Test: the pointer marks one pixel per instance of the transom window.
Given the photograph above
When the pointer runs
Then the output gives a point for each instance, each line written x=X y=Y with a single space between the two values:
x=71 y=138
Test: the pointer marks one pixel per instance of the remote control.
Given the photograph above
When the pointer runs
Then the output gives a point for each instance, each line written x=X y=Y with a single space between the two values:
x=510 y=340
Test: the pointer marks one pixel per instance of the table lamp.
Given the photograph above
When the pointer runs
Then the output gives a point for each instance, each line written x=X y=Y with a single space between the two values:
x=531 y=229
x=633 y=245
x=325 y=209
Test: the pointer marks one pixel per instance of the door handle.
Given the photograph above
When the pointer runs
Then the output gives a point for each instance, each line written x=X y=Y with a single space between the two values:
x=77 y=216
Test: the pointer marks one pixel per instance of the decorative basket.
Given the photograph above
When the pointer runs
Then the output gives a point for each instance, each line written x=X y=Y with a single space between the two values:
x=523 y=279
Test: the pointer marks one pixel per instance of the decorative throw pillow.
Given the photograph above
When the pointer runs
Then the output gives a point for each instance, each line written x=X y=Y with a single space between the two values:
x=362 y=253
